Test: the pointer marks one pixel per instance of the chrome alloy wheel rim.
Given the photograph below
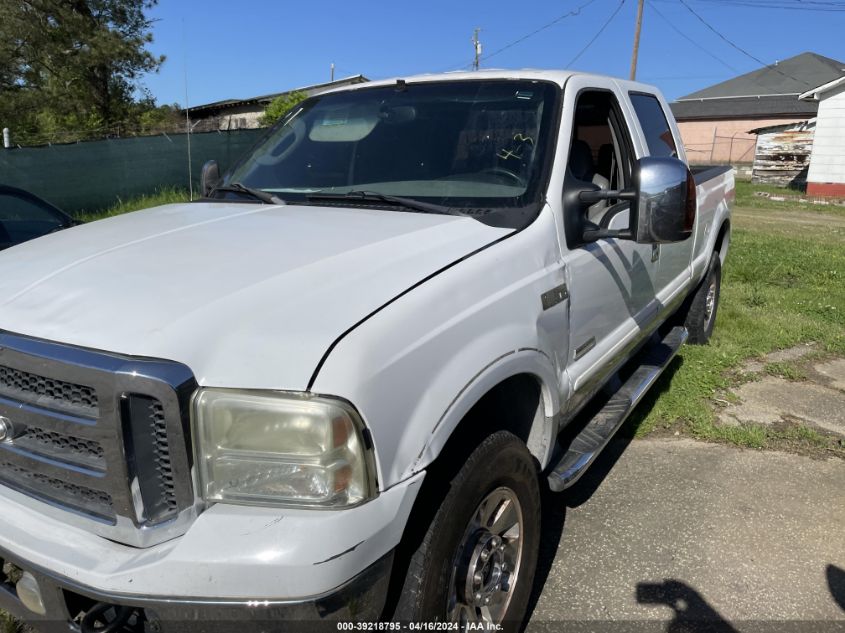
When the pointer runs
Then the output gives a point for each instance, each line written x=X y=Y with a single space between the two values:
x=709 y=303
x=486 y=567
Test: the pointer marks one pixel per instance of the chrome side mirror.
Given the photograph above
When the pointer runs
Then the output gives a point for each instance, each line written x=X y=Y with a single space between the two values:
x=662 y=203
x=664 y=208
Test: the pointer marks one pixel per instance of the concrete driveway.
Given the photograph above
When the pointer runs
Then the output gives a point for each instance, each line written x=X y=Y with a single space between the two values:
x=676 y=535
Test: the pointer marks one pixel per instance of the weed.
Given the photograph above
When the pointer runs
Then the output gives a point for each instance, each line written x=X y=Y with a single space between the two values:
x=787 y=370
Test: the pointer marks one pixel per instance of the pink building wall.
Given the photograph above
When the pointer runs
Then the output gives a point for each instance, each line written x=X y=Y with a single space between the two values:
x=724 y=140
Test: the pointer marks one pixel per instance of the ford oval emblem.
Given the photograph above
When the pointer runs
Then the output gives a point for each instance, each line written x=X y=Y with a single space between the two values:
x=5 y=428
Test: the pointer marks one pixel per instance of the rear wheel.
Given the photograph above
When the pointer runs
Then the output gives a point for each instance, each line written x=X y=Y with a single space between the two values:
x=476 y=560
x=699 y=314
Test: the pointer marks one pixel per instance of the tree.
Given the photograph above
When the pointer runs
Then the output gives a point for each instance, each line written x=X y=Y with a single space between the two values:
x=72 y=67
x=281 y=105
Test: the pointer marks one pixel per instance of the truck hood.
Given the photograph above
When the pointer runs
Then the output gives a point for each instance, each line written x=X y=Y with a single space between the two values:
x=245 y=295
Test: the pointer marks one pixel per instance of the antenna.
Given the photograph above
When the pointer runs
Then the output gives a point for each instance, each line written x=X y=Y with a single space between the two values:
x=187 y=112
x=332 y=72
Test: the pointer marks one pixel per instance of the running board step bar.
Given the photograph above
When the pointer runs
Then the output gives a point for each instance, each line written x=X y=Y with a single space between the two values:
x=586 y=446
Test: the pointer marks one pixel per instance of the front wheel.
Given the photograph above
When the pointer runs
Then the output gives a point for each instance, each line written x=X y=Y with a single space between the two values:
x=476 y=561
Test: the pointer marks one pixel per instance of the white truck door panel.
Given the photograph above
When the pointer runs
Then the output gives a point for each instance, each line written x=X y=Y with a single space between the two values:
x=609 y=303
x=612 y=281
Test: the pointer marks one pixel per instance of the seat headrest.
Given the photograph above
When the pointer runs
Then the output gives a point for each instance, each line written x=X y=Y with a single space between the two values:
x=581 y=160
x=605 y=160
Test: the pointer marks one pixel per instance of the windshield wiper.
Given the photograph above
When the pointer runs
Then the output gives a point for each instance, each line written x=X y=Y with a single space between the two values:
x=258 y=194
x=374 y=196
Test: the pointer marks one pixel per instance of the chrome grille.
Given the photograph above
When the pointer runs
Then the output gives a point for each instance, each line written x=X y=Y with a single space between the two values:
x=162 y=453
x=44 y=391
x=99 y=439
x=151 y=466
x=86 y=500
x=69 y=448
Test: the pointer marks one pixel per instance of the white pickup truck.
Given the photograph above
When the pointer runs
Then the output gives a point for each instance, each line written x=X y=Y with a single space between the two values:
x=332 y=389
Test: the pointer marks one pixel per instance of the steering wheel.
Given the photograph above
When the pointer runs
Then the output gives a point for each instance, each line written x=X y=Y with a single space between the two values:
x=296 y=133
x=507 y=173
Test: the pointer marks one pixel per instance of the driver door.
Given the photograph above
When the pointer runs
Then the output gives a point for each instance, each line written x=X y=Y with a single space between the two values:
x=611 y=280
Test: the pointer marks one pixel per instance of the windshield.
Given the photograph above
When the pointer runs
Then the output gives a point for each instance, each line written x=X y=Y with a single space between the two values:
x=472 y=147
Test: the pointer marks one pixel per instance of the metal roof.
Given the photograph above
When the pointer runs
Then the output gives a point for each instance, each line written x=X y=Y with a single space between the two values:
x=795 y=126
x=234 y=103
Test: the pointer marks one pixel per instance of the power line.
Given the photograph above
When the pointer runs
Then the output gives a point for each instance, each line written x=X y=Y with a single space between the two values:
x=737 y=47
x=596 y=36
x=692 y=41
x=793 y=5
x=576 y=11
x=570 y=14
x=689 y=39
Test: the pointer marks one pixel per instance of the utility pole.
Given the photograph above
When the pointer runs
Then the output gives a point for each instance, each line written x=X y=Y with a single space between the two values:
x=332 y=75
x=637 y=40
x=476 y=45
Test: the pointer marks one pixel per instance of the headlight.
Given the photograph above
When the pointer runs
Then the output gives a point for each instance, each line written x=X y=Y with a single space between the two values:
x=269 y=448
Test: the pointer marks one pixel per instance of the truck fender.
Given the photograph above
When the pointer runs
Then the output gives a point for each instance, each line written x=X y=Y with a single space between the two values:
x=525 y=361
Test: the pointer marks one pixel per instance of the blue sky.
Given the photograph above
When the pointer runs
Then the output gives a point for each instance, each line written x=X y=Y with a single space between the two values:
x=252 y=47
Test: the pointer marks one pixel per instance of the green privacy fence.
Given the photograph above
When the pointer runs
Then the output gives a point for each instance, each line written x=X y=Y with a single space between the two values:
x=93 y=175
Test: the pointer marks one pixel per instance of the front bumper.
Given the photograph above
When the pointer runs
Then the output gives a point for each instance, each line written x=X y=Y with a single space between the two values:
x=235 y=563
x=360 y=599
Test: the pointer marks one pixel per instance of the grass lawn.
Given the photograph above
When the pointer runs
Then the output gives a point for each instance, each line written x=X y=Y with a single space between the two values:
x=165 y=195
x=783 y=284
x=746 y=199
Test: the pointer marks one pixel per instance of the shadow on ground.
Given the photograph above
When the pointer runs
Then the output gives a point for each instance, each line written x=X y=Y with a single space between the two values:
x=693 y=614
x=836 y=584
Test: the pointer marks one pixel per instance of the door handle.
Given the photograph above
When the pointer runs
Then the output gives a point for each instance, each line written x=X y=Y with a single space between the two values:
x=655 y=252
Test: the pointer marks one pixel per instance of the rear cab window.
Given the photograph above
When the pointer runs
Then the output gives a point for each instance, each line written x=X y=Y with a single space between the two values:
x=654 y=125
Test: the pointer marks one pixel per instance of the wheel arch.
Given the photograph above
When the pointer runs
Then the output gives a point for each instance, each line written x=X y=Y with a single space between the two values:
x=517 y=393
x=723 y=240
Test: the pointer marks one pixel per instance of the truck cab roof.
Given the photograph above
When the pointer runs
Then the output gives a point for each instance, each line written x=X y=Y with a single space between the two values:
x=558 y=77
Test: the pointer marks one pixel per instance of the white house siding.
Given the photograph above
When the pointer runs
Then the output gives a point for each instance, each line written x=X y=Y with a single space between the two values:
x=827 y=162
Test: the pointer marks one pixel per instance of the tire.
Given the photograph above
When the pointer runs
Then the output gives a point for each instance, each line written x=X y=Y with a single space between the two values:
x=465 y=553
x=700 y=312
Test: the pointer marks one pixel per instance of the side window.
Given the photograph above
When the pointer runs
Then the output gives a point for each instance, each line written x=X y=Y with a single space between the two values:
x=655 y=127
x=601 y=154
x=598 y=153
x=14 y=207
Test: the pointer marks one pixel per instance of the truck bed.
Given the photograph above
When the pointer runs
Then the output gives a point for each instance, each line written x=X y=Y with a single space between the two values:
x=702 y=173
